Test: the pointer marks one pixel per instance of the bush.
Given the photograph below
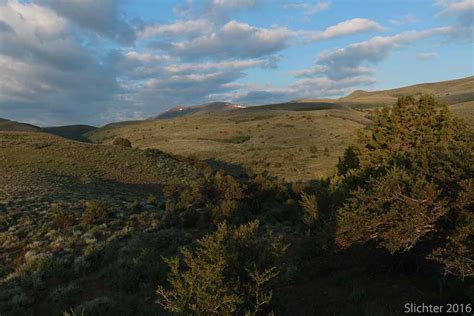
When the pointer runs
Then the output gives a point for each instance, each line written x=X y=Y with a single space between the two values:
x=136 y=207
x=152 y=200
x=96 y=212
x=237 y=139
x=120 y=141
x=229 y=271
x=61 y=218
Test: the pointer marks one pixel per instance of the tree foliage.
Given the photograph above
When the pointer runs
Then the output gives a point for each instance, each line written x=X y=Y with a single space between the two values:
x=412 y=184
x=227 y=273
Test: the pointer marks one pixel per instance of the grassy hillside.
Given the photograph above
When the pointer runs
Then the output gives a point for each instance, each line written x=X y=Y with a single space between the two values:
x=75 y=132
x=42 y=162
x=46 y=183
x=202 y=108
x=7 y=125
x=295 y=145
x=448 y=92
x=297 y=140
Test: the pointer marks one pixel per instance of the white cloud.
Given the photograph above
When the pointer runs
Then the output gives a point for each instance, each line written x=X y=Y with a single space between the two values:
x=463 y=12
x=406 y=19
x=216 y=11
x=427 y=56
x=339 y=71
x=43 y=69
x=219 y=66
x=304 y=88
x=100 y=16
x=234 y=40
x=179 y=28
x=455 y=7
x=348 y=27
x=308 y=8
x=241 y=40
x=347 y=61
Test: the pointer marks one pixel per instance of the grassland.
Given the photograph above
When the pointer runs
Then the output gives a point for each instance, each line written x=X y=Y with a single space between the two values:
x=7 y=125
x=294 y=145
x=296 y=141
x=39 y=164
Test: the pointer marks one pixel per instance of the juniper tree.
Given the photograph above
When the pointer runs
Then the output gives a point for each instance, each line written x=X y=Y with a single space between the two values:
x=412 y=184
x=226 y=274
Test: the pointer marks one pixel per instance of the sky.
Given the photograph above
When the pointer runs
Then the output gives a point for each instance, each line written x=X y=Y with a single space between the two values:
x=100 y=61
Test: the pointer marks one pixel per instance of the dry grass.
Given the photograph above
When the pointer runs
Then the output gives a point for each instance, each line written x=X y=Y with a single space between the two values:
x=276 y=141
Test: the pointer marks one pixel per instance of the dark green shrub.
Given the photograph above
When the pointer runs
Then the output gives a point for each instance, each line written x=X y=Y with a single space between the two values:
x=98 y=306
x=96 y=212
x=229 y=271
x=61 y=218
x=152 y=200
x=349 y=160
x=120 y=141
x=136 y=206
x=237 y=139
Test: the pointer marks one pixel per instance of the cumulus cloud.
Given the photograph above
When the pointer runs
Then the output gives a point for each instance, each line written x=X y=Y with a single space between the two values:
x=353 y=59
x=308 y=8
x=426 y=56
x=43 y=69
x=304 y=88
x=4 y=27
x=152 y=82
x=100 y=16
x=406 y=19
x=234 y=40
x=463 y=12
x=450 y=7
x=179 y=28
x=241 y=40
x=218 y=11
x=348 y=27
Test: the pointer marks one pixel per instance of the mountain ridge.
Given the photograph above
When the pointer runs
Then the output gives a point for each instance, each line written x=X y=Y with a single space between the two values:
x=181 y=110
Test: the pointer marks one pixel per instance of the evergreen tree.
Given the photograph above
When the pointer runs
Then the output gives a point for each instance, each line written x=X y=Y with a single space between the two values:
x=412 y=182
x=227 y=273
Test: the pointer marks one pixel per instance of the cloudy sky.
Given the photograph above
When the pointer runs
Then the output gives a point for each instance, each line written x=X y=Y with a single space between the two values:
x=98 y=61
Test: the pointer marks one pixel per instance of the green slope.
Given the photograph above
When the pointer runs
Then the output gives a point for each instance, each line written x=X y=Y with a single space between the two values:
x=38 y=161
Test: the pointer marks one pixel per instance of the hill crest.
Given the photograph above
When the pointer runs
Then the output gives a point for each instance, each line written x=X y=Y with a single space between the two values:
x=181 y=110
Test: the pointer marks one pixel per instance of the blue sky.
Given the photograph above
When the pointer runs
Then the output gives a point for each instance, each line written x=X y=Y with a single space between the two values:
x=99 y=61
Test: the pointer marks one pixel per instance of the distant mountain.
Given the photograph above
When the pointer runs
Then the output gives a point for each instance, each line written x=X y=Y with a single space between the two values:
x=12 y=126
x=202 y=108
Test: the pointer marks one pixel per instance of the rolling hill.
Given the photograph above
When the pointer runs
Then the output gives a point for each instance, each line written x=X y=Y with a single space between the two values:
x=449 y=92
x=296 y=145
x=7 y=125
x=75 y=132
x=296 y=140
x=202 y=108
x=32 y=162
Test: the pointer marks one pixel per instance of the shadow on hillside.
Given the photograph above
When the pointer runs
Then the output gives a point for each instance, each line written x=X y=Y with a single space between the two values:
x=235 y=170
x=90 y=188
